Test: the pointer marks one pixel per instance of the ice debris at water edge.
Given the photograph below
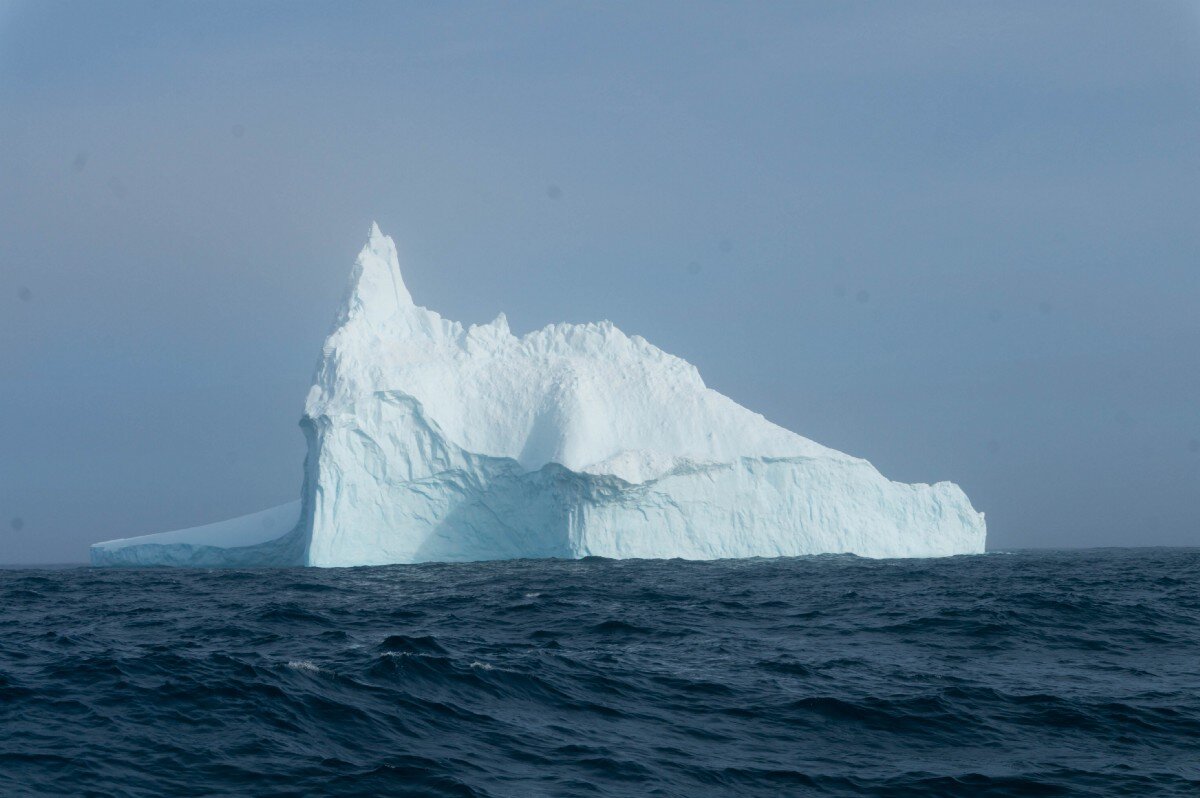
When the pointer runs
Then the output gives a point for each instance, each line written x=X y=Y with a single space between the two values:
x=431 y=441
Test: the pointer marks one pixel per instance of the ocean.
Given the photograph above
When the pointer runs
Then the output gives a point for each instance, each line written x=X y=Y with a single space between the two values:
x=1024 y=673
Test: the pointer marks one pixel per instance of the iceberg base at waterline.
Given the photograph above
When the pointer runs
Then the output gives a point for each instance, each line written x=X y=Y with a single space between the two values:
x=431 y=442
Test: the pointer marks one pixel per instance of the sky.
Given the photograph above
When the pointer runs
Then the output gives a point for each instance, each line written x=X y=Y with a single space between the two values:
x=958 y=239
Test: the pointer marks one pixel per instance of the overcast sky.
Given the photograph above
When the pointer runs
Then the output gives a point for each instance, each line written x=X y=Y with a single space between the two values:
x=958 y=239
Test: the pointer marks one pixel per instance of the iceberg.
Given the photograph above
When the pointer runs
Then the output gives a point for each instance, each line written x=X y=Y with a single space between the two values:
x=428 y=441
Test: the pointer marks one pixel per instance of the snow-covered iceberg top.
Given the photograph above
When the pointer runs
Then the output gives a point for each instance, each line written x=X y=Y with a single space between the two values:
x=428 y=440
x=585 y=396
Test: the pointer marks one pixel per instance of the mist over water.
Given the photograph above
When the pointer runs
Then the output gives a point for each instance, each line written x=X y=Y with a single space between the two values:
x=1032 y=673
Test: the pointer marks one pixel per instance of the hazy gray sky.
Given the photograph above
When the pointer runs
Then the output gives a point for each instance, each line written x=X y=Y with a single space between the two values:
x=958 y=239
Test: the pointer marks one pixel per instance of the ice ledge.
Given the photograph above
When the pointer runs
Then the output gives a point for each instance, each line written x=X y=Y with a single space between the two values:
x=244 y=531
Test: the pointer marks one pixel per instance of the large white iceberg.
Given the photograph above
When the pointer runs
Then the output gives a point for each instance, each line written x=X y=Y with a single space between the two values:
x=428 y=441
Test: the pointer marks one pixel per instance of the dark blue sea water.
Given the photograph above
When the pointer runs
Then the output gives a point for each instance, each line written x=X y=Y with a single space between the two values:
x=1006 y=674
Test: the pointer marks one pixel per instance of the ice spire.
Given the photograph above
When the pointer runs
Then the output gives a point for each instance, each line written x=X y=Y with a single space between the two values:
x=376 y=290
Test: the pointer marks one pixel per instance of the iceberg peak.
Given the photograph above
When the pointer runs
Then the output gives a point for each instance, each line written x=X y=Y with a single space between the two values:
x=376 y=288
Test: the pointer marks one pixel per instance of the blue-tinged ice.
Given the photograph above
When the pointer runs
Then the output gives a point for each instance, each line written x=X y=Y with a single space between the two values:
x=431 y=441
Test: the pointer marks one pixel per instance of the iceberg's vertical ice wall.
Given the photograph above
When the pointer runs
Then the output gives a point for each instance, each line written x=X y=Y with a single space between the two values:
x=430 y=441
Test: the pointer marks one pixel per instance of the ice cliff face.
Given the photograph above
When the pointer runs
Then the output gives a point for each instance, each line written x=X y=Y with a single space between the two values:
x=430 y=441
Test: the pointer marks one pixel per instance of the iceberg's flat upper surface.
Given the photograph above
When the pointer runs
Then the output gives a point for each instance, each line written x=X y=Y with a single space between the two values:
x=428 y=440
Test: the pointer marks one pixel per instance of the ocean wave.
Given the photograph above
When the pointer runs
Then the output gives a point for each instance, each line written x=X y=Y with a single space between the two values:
x=1053 y=673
